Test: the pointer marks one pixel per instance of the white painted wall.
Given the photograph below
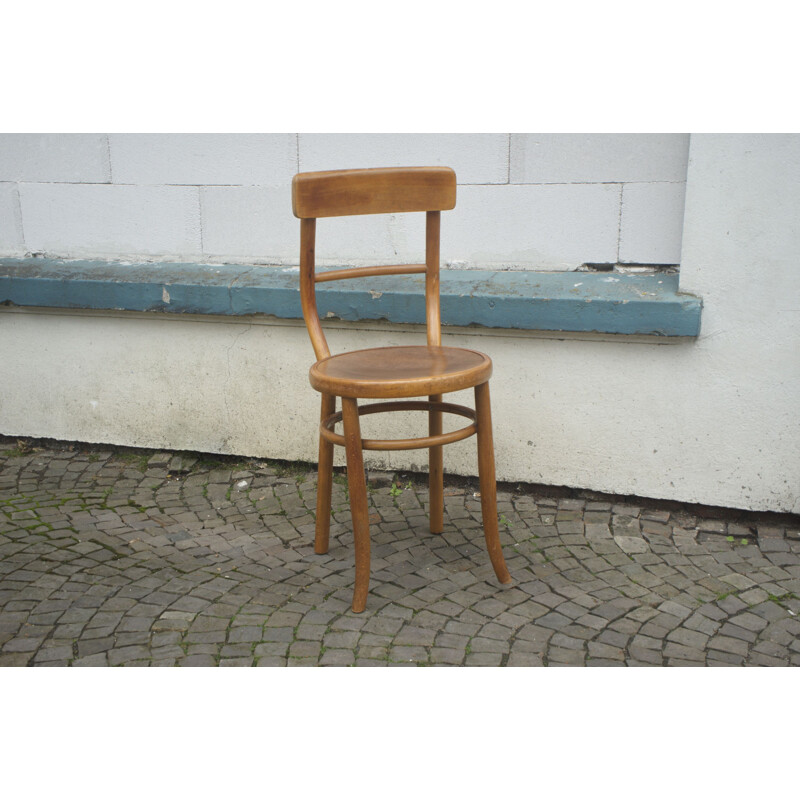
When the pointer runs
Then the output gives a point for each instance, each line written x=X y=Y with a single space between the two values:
x=712 y=421
x=526 y=201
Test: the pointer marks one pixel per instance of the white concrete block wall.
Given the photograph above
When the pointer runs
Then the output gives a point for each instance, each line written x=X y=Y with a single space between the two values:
x=395 y=238
x=249 y=223
x=598 y=157
x=204 y=159
x=651 y=225
x=106 y=220
x=552 y=227
x=525 y=201
x=11 y=241
x=649 y=169
x=55 y=157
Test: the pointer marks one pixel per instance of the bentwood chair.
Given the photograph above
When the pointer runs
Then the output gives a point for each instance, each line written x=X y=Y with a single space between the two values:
x=390 y=372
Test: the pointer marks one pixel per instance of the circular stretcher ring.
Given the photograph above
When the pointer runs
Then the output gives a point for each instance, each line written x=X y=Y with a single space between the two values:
x=326 y=427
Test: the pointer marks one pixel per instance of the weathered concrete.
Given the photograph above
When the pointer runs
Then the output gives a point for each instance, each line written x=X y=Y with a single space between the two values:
x=574 y=302
x=132 y=558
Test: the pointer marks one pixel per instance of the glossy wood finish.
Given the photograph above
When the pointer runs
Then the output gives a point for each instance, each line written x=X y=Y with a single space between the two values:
x=368 y=272
x=433 y=315
x=435 y=470
x=383 y=183
x=488 y=482
x=359 y=510
x=391 y=190
x=327 y=425
x=324 y=481
x=308 y=295
x=400 y=371
x=434 y=328
x=390 y=372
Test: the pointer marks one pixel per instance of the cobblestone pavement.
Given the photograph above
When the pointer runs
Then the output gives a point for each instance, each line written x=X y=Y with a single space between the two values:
x=120 y=557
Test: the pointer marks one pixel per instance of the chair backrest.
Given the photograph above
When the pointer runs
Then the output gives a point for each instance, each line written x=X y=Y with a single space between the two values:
x=394 y=190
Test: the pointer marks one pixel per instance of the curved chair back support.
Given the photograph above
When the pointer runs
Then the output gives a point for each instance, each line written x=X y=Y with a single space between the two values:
x=350 y=192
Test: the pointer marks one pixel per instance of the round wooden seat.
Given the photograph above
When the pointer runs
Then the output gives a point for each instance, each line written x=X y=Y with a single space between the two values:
x=400 y=371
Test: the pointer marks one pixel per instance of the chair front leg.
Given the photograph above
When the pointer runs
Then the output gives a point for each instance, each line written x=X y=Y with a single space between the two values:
x=357 y=486
x=435 y=471
x=488 y=482
x=324 y=481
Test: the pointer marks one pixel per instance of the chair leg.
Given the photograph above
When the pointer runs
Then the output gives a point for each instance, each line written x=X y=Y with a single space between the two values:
x=357 y=486
x=324 y=482
x=435 y=471
x=488 y=482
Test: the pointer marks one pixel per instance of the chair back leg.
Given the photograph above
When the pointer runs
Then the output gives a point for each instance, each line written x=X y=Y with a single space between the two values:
x=435 y=471
x=488 y=482
x=324 y=481
x=357 y=487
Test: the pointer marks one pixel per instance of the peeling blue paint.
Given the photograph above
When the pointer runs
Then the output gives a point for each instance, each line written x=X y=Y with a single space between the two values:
x=551 y=301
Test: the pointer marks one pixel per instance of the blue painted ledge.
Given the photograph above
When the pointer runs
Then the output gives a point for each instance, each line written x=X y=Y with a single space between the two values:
x=599 y=302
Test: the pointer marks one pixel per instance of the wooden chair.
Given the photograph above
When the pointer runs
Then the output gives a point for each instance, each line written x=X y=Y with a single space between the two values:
x=390 y=372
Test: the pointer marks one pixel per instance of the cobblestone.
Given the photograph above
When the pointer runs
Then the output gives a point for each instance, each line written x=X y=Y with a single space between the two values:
x=113 y=557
